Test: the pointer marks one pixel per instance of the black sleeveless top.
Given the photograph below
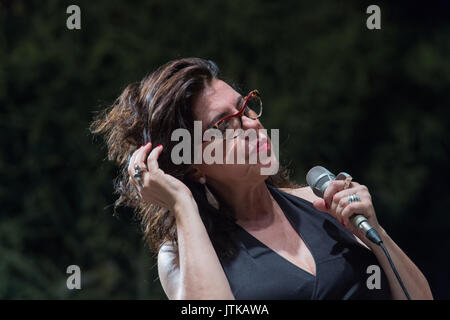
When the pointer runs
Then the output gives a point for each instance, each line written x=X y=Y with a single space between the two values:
x=256 y=272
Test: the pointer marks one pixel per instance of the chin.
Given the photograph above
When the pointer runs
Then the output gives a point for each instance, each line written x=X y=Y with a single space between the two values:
x=253 y=173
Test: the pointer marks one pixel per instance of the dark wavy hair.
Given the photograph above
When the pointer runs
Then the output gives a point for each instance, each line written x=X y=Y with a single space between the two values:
x=150 y=110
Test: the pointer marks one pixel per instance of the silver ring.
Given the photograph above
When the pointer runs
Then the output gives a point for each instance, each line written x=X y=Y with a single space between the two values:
x=353 y=198
x=137 y=173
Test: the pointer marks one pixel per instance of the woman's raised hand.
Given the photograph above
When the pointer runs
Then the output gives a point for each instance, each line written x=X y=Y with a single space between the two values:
x=155 y=186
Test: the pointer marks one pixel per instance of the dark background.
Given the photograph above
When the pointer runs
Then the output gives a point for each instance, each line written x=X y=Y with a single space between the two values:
x=371 y=103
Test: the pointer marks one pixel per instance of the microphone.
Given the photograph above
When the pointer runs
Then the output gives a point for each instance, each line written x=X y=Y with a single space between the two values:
x=318 y=178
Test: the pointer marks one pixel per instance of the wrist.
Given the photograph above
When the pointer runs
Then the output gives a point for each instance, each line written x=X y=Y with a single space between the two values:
x=183 y=203
x=383 y=236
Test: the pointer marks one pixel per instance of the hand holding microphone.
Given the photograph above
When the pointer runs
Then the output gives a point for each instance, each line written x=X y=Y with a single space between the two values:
x=346 y=200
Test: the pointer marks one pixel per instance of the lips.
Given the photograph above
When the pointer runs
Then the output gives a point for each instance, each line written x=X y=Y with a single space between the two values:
x=262 y=145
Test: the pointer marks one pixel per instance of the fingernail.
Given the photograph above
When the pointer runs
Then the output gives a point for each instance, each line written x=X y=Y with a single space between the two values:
x=159 y=145
x=147 y=143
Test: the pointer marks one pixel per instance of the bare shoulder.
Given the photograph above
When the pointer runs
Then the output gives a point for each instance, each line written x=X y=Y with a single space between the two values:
x=168 y=269
x=305 y=193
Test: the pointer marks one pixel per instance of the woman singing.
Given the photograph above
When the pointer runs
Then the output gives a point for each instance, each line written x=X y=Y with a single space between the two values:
x=227 y=231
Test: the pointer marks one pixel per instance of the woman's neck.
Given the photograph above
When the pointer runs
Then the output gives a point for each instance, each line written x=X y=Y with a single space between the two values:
x=251 y=204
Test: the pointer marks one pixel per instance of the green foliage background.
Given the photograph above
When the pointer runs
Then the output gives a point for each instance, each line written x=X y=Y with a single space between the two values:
x=371 y=103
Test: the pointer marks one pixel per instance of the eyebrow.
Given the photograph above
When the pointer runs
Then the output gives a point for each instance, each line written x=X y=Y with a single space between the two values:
x=225 y=113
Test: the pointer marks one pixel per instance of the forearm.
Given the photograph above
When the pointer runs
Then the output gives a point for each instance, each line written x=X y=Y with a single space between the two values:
x=415 y=282
x=201 y=274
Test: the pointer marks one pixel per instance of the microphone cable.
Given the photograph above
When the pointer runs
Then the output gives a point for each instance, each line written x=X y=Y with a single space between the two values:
x=373 y=236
